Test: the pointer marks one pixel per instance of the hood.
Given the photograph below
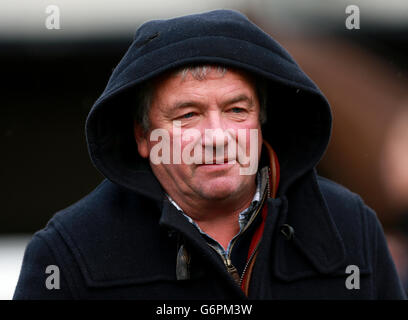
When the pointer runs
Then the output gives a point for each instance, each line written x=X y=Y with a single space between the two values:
x=299 y=118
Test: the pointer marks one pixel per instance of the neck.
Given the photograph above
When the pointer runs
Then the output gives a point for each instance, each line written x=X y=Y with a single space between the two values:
x=219 y=218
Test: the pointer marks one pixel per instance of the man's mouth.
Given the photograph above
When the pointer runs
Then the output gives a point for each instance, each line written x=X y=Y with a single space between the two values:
x=219 y=162
x=213 y=166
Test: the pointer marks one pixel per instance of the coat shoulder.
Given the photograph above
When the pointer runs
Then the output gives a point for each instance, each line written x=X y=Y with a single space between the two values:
x=106 y=233
x=106 y=207
x=92 y=240
x=60 y=244
x=336 y=193
x=344 y=204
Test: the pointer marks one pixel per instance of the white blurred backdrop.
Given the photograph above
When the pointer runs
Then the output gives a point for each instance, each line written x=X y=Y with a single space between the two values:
x=11 y=256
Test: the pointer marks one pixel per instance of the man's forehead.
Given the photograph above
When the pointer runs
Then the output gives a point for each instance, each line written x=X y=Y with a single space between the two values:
x=202 y=72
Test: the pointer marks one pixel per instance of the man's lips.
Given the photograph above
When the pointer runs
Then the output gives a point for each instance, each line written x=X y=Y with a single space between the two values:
x=211 y=167
x=218 y=162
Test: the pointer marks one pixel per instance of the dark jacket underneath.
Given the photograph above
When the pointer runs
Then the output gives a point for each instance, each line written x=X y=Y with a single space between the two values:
x=104 y=250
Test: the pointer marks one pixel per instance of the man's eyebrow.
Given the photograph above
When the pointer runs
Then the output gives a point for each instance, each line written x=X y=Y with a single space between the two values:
x=239 y=98
x=182 y=104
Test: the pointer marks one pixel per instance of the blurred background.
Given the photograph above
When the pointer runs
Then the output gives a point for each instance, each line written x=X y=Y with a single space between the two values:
x=51 y=77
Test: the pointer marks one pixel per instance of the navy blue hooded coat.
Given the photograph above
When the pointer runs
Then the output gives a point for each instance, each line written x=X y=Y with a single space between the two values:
x=121 y=240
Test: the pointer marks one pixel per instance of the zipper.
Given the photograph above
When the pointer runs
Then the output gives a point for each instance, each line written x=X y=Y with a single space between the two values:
x=251 y=220
x=232 y=270
x=268 y=185
x=227 y=259
x=257 y=245
x=247 y=264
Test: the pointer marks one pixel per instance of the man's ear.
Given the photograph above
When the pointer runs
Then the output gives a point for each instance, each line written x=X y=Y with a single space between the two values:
x=141 y=140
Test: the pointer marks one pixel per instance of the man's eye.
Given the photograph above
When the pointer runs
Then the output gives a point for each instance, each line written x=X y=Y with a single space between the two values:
x=188 y=115
x=236 y=110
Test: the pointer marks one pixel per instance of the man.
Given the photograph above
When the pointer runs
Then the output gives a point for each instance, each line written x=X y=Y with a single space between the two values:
x=209 y=134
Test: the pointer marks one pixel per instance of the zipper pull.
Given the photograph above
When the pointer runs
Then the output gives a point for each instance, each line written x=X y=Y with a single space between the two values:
x=183 y=264
x=232 y=271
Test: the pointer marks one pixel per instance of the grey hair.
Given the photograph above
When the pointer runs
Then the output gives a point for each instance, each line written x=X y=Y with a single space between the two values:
x=145 y=92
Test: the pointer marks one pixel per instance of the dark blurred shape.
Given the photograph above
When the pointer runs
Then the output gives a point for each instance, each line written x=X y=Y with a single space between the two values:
x=369 y=99
x=47 y=91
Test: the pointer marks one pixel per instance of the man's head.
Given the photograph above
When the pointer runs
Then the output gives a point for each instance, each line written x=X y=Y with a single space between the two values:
x=298 y=131
x=201 y=98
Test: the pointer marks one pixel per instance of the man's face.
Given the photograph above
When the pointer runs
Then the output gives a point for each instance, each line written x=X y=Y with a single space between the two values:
x=220 y=101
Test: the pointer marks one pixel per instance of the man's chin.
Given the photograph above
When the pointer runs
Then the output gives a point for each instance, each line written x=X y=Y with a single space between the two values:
x=218 y=190
x=221 y=185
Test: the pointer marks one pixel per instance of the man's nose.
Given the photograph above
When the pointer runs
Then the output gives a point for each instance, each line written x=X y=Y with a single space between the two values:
x=215 y=134
x=213 y=120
